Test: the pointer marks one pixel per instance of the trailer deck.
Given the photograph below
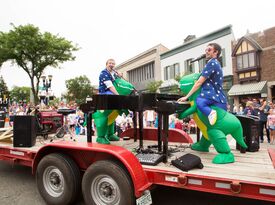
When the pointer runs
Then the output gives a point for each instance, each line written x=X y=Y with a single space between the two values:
x=251 y=176
x=250 y=166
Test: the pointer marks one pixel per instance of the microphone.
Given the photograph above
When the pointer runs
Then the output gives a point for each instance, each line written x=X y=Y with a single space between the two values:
x=198 y=58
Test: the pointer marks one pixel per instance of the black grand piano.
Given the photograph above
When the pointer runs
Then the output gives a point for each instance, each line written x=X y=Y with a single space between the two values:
x=163 y=104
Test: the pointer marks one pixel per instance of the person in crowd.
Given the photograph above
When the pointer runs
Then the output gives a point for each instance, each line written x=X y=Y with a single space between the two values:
x=120 y=124
x=72 y=121
x=249 y=109
x=256 y=103
x=192 y=126
x=20 y=110
x=178 y=124
x=235 y=109
x=172 y=121
x=263 y=111
x=271 y=125
x=156 y=124
x=210 y=82
x=271 y=105
x=80 y=120
x=240 y=112
x=149 y=118
x=62 y=105
x=186 y=124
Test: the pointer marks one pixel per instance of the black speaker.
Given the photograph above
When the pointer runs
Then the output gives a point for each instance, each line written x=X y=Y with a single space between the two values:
x=24 y=131
x=251 y=127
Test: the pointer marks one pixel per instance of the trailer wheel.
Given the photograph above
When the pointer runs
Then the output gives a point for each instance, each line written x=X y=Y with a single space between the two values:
x=58 y=179
x=106 y=182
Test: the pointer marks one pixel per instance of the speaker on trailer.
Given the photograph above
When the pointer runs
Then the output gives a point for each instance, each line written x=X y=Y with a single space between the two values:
x=24 y=131
x=251 y=128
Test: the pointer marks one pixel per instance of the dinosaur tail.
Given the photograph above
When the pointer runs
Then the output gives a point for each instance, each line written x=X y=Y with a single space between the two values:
x=231 y=125
x=237 y=134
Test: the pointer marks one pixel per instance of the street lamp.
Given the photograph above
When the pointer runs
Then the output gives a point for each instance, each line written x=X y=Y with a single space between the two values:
x=46 y=85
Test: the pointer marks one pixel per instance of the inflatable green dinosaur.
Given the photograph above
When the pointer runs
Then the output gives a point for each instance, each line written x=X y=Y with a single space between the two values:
x=105 y=119
x=212 y=134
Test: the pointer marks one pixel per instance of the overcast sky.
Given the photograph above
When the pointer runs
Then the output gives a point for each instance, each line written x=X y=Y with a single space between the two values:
x=121 y=29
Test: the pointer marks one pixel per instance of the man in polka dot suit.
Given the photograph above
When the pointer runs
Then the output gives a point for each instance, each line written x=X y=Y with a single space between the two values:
x=210 y=82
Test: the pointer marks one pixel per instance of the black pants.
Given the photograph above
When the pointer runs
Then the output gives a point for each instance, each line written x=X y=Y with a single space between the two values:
x=118 y=130
x=262 y=126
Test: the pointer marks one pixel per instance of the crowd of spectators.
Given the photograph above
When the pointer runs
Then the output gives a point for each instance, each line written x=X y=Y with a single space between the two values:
x=76 y=121
x=262 y=110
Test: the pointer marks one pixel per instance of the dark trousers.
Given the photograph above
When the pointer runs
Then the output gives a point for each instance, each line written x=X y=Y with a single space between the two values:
x=118 y=130
x=262 y=126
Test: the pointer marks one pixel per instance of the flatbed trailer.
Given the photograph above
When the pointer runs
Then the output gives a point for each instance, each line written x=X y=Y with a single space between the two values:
x=111 y=174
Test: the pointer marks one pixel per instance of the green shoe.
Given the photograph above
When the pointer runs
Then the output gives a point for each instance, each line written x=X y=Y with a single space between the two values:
x=102 y=140
x=224 y=158
x=198 y=147
x=113 y=137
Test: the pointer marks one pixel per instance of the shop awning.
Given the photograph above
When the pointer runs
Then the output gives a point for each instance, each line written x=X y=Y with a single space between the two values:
x=247 y=89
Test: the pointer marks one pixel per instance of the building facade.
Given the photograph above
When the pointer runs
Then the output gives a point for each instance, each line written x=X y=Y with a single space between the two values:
x=143 y=68
x=253 y=60
x=181 y=60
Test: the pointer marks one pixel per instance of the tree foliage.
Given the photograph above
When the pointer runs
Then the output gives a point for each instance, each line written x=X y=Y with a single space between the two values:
x=34 y=51
x=20 y=94
x=78 y=89
x=4 y=92
x=153 y=86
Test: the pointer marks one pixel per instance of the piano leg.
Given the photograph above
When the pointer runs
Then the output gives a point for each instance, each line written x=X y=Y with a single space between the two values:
x=140 y=121
x=89 y=127
x=165 y=137
x=135 y=125
x=159 y=132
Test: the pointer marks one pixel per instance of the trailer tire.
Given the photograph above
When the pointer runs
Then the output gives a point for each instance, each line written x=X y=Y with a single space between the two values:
x=106 y=182
x=58 y=179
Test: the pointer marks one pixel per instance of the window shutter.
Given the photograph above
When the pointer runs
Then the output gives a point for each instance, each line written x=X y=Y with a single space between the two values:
x=223 y=58
x=185 y=67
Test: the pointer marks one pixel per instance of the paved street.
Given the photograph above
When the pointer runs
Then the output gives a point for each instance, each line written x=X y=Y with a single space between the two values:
x=18 y=186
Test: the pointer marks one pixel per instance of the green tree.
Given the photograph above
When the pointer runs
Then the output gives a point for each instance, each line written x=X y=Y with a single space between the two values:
x=4 y=92
x=78 y=89
x=20 y=94
x=34 y=51
x=153 y=86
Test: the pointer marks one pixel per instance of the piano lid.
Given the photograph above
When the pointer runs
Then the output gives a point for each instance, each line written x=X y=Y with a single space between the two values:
x=144 y=101
x=111 y=102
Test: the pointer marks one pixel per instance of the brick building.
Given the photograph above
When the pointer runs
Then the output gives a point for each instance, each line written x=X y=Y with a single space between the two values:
x=253 y=62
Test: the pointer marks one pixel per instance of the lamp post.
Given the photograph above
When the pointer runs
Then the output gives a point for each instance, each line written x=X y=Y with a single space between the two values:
x=46 y=85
